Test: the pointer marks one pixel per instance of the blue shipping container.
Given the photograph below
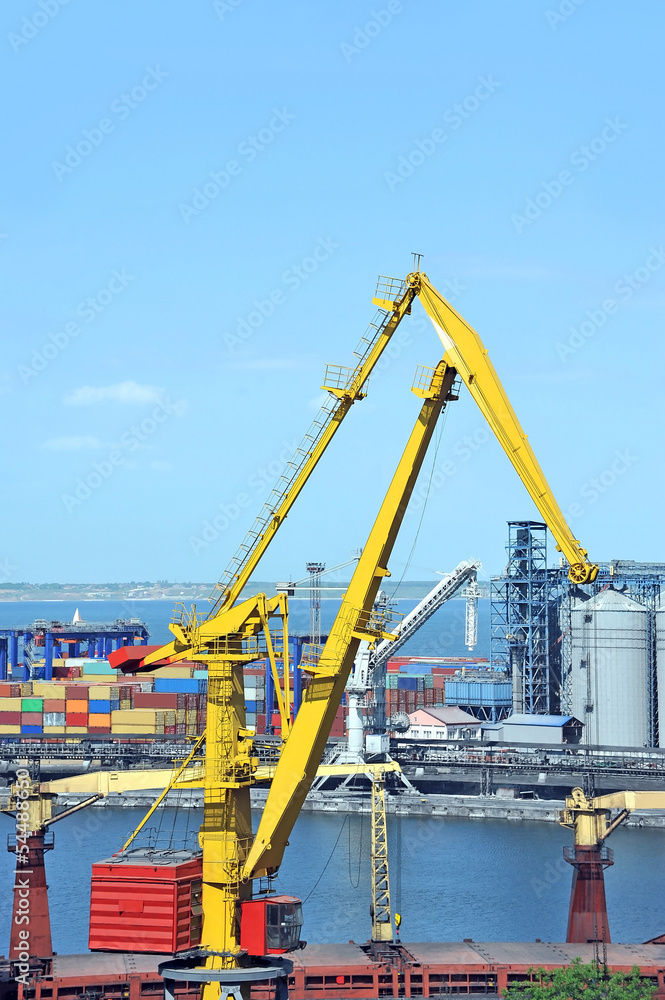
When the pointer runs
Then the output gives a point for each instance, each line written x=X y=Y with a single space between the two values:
x=407 y=683
x=250 y=706
x=28 y=730
x=100 y=706
x=177 y=685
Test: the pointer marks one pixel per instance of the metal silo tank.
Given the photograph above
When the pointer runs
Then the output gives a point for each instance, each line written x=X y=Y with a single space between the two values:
x=660 y=666
x=609 y=644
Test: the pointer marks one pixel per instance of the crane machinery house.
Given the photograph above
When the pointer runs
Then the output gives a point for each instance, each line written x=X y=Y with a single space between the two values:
x=443 y=724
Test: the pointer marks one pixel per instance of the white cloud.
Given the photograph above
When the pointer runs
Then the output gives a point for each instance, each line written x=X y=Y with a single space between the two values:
x=72 y=443
x=127 y=393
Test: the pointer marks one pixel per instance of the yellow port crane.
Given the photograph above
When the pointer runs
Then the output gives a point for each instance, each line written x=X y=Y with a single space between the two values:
x=233 y=634
x=592 y=823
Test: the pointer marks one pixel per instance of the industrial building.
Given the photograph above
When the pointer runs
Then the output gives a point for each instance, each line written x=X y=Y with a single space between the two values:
x=594 y=651
x=444 y=724
x=538 y=729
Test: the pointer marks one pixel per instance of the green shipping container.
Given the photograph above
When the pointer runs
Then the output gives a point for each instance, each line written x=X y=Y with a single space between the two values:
x=32 y=704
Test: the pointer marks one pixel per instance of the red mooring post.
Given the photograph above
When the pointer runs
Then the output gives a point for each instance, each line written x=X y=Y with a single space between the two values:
x=30 y=912
x=587 y=916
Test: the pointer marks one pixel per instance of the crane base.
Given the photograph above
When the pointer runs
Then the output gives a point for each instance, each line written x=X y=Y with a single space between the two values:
x=230 y=980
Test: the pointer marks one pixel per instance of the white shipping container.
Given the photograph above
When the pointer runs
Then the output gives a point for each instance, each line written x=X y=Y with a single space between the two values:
x=54 y=718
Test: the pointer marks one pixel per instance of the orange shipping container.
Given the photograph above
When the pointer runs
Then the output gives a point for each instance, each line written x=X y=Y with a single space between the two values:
x=99 y=719
x=77 y=705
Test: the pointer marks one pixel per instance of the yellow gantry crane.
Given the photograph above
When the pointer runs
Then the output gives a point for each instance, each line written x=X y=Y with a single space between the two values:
x=235 y=632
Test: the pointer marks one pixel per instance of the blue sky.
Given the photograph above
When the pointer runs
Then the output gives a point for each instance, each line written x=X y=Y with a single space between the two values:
x=168 y=166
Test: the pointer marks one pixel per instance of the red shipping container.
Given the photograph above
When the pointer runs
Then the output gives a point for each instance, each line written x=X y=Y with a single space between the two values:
x=11 y=719
x=100 y=730
x=31 y=718
x=5 y=690
x=151 y=699
x=141 y=902
x=77 y=692
x=66 y=673
x=77 y=719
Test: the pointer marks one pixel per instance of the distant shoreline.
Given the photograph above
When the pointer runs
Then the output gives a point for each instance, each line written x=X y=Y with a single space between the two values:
x=407 y=590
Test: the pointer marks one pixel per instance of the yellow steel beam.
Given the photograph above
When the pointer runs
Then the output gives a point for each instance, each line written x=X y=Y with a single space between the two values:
x=346 y=399
x=630 y=800
x=590 y=818
x=467 y=353
x=302 y=753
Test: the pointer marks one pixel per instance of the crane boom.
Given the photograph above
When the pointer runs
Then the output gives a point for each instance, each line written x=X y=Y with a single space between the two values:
x=346 y=386
x=467 y=353
x=354 y=622
x=290 y=585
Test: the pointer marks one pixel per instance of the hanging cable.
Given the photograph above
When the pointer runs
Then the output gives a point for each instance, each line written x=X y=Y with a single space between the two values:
x=440 y=428
x=398 y=869
x=354 y=885
x=176 y=808
x=328 y=861
x=187 y=812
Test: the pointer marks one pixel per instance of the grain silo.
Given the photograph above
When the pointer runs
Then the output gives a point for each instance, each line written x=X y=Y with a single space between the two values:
x=610 y=669
x=660 y=666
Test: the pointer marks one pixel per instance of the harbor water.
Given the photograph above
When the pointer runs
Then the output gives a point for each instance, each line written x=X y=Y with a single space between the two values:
x=489 y=880
x=451 y=878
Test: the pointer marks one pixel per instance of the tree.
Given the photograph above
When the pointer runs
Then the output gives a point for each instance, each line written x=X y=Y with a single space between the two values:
x=589 y=982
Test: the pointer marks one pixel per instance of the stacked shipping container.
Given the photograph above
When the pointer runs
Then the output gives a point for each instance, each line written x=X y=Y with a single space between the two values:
x=89 y=696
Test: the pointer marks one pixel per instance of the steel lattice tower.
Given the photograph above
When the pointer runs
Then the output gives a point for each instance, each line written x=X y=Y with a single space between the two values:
x=315 y=569
x=521 y=604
